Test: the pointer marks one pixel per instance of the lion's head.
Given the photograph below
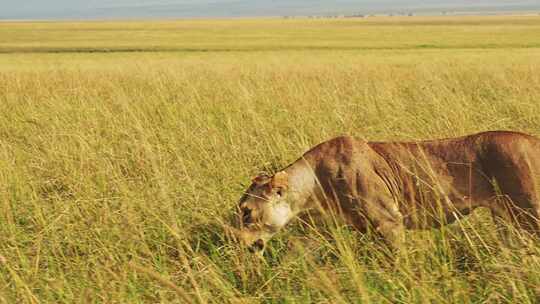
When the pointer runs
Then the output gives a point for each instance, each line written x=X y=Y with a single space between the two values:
x=264 y=209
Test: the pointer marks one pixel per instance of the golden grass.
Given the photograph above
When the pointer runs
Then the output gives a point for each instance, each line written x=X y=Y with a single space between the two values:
x=119 y=168
x=273 y=34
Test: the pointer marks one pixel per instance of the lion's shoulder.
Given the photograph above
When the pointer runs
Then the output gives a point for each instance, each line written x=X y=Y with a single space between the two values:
x=338 y=145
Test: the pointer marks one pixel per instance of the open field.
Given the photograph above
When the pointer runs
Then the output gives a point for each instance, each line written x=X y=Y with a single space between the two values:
x=274 y=34
x=125 y=145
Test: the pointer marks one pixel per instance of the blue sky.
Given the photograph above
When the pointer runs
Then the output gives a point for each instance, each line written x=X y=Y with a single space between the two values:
x=62 y=9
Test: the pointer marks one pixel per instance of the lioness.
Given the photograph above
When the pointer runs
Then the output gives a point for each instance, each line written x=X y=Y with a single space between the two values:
x=393 y=186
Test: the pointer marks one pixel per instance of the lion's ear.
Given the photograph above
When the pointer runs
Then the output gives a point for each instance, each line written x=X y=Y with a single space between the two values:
x=261 y=179
x=280 y=180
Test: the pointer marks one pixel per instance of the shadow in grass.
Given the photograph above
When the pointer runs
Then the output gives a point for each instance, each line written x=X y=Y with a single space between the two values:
x=209 y=239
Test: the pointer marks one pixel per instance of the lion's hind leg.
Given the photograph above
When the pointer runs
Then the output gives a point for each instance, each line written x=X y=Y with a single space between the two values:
x=521 y=204
x=515 y=211
x=512 y=174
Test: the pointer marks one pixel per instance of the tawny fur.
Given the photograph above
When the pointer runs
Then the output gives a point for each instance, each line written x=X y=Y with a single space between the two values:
x=393 y=186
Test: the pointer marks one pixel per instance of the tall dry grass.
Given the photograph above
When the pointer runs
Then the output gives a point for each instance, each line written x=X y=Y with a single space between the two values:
x=117 y=171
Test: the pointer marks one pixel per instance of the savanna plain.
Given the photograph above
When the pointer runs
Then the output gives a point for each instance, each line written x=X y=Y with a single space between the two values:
x=125 y=146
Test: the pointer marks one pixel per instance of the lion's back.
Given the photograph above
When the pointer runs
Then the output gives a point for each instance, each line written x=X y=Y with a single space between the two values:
x=508 y=145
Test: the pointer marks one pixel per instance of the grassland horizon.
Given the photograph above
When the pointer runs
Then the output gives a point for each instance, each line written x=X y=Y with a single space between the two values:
x=125 y=146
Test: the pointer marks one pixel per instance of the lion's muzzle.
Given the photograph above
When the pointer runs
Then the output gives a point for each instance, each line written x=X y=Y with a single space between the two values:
x=257 y=246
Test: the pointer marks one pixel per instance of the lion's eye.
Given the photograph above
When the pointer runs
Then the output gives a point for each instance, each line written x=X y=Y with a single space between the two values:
x=279 y=192
x=246 y=217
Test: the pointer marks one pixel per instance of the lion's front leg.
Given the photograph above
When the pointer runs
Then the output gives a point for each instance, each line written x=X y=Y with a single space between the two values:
x=386 y=220
x=373 y=192
x=393 y=234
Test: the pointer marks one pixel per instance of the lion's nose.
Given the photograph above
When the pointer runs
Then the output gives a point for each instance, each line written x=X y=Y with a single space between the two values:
x=257 y=246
